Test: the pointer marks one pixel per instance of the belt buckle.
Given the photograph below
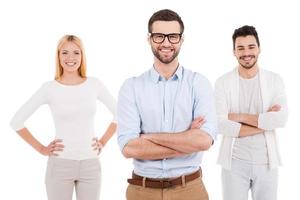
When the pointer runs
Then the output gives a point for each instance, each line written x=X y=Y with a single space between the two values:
x=165 y=183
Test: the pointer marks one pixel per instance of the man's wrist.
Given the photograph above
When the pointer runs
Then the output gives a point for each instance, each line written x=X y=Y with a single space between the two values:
x=235 y=117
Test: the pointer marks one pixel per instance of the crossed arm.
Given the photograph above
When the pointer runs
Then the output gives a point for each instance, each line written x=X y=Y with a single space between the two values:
x=249 y=122
x=154 y=146
x=158 y=145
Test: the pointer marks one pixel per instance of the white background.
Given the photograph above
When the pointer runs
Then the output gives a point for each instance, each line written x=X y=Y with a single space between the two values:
x=114 y=33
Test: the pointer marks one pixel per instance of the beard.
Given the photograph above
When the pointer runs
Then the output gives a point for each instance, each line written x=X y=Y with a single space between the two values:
x=246 y=64
x=162 y=59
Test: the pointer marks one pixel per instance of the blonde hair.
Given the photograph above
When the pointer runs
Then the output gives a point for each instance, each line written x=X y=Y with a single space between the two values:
x=77 y=41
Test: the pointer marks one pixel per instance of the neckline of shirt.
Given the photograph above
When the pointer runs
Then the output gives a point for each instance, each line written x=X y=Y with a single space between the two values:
x=75 y=85
x=249 y=79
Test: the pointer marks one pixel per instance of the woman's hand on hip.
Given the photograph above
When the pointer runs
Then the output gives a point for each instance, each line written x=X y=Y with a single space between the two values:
x=52 y=148
x=97 y=145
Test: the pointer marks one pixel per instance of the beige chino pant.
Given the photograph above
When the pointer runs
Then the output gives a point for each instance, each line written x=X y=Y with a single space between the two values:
x=193 y=190
x=63 y=175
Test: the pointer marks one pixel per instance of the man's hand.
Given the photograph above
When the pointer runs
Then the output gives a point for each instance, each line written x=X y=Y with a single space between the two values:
x=197 y=123
x=274 y=108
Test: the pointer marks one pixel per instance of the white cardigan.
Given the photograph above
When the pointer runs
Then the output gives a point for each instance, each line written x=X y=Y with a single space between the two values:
x=227 y=101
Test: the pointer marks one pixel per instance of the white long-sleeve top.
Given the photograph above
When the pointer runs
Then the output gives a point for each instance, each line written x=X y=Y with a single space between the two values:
x=73 y=109
x=227 y=101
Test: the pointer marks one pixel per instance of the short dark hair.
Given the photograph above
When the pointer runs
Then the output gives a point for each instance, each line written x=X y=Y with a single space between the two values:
x=165 y=15
x=245 y=31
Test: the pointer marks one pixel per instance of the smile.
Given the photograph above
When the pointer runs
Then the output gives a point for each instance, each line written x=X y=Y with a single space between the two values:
x=70 y=64
x=247 y=58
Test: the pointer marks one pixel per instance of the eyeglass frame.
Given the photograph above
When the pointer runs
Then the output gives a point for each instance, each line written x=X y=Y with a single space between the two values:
x=166 y=35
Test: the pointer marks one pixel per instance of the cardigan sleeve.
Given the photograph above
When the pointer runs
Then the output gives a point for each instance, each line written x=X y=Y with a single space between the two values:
x=226 y=127
x=273 y=120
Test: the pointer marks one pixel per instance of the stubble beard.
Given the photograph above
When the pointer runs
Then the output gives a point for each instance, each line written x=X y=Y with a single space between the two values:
x=248 y=66
x=165 y=60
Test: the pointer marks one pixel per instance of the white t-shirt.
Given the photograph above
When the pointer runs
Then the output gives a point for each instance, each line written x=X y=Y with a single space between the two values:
x=73 y=109
x=251 y=149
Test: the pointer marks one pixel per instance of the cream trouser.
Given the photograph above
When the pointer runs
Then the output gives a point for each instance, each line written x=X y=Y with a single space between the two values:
x=243 y=177
x=63 y=175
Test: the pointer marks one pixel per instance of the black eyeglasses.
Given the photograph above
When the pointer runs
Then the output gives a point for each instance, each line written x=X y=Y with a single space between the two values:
x=174 y=38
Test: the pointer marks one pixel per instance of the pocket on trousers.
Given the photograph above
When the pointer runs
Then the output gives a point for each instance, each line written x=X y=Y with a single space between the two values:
x=49 y=169
x=195 y=190
x=63 y=169
x=135 y=192
x=203 y=191
x=90 y=169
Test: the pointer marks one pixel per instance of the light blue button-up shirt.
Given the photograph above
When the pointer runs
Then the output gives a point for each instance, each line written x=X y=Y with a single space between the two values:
x=149 y=103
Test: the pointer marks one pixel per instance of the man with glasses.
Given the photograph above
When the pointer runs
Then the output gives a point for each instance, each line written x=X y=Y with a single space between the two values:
x=166 y=119
x=251 y=104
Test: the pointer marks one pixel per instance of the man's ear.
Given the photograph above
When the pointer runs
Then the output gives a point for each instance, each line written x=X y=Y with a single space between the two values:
x=149 y=39
x=182 y=38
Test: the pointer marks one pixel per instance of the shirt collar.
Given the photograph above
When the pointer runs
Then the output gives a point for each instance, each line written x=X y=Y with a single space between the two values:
x=156 y=77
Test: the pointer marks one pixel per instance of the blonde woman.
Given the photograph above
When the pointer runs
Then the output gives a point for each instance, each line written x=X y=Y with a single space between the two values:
x=72 y=96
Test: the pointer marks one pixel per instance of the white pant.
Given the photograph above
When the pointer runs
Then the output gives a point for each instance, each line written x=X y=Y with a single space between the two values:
x=258 y=178
x=63 y=175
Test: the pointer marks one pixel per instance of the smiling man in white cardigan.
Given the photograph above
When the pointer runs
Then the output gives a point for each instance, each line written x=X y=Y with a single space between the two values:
x=251 y=104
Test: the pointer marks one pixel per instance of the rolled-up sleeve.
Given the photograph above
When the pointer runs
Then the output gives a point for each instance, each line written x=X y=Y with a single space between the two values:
x=204 y=105
x=128 y=117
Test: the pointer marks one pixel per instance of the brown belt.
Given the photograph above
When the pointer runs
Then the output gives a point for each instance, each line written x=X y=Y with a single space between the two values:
x=163 y=183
